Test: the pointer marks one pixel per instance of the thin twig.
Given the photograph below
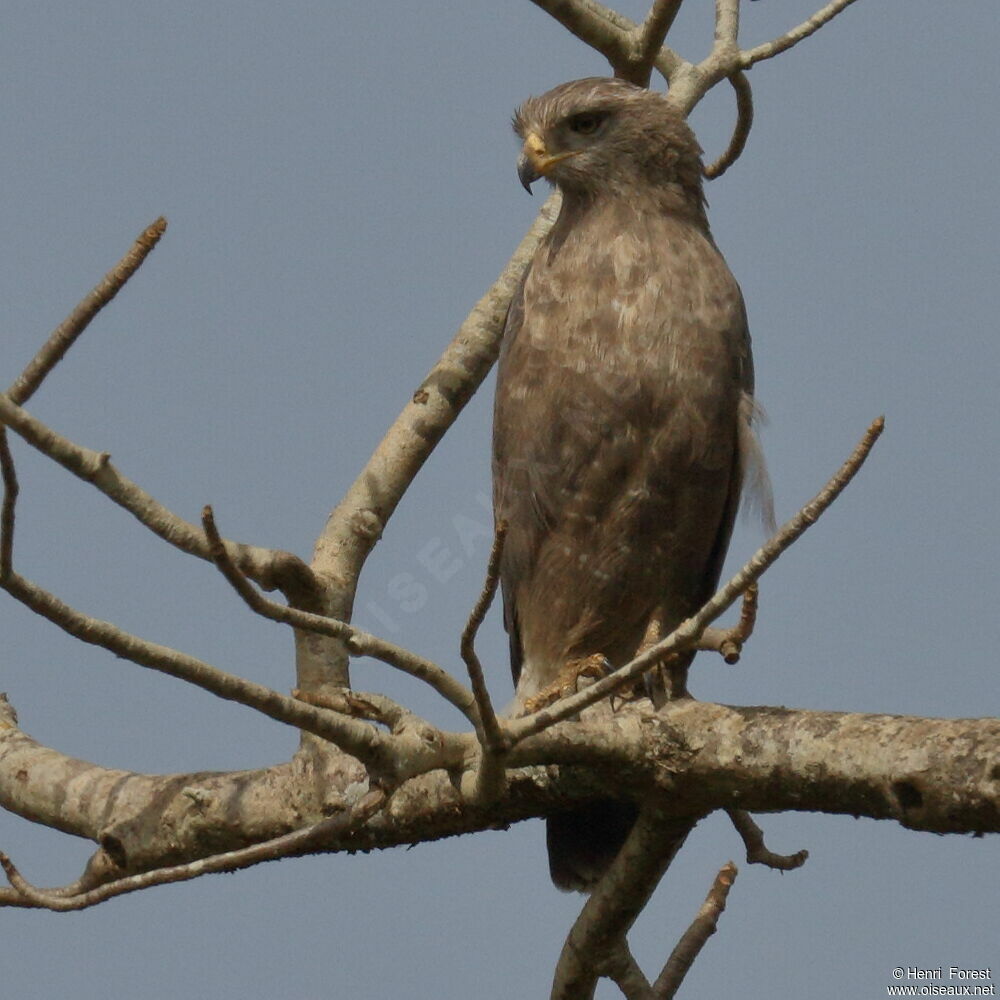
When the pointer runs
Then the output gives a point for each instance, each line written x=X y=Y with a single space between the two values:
x=729 y=642
x=741 y=132
x=493 y=740
x=757 y=851
x=299 y=842
x=357 y=642
x=10 y=491
x=783 y=42
x=356 y=738
x=489 y=776
x=270 y=568
x=688 y=632
x=693 y=940
x=64 y=335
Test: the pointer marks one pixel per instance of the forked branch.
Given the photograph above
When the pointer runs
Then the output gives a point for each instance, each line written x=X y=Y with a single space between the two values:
x=633 y=51
x=358 y=642
x=595 y=946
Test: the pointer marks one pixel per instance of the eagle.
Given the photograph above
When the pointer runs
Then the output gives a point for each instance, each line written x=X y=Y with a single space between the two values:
x=623 y=419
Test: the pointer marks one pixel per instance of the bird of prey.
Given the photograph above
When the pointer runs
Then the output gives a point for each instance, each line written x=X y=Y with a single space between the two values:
x=622 y=423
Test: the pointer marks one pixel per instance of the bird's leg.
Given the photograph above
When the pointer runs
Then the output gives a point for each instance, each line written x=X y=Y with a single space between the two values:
x=667 y=681
x=567 y=680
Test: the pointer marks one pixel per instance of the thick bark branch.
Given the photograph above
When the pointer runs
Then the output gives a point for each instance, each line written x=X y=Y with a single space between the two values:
x=298 y=842
x=938 y=775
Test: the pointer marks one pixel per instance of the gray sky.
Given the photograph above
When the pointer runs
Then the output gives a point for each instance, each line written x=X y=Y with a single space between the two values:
x=340 y=185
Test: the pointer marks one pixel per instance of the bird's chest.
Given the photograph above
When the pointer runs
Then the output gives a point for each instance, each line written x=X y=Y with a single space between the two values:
x=648 y=311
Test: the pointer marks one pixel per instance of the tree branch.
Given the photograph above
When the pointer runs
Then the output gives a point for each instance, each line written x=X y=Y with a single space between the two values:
x=702 y=928
x=623 y=969
x=741 y=132
x=598 y=26
x=492 y=738
x=802 y=31
x=359 y=519
x=757 y=852
x=358 y=642
x=271 y=569
x=926 y=774
x=65 y=335
x=8 y=475
x=593 y=946
x=630 y=49
x=727 y=24
x=489 y=775
x=299 y=842
x=729 y=642
x=648 y=43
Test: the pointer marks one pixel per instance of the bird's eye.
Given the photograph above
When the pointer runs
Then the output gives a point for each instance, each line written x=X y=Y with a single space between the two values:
x=585 y=124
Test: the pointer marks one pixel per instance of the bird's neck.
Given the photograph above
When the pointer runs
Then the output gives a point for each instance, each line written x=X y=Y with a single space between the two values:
x=626 y=209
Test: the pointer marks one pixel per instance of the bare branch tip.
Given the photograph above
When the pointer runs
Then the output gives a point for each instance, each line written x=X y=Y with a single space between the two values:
x=216 y=546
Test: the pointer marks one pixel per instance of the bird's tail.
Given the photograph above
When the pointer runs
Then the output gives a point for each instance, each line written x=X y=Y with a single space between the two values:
x=583 y=841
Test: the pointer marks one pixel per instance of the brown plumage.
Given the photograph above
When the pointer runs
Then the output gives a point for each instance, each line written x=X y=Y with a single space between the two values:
x=623 y=406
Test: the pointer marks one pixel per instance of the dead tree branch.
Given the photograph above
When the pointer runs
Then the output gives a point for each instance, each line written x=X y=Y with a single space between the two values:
x=702 y=928
x=925 y=774
x=802 y=31
x=594 y=944
x=65 y=335
x=652 y=34
x=299 y=842
x=492 y=738
x=358 y=642
x=489 y=776
x=357 y=522
x=729 y=642
x=757 y=852
x=741 y=132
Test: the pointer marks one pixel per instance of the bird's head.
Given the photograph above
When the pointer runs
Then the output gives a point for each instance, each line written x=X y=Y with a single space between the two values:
x=603 y=135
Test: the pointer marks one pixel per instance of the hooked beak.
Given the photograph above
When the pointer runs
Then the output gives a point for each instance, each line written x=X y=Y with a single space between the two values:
x=527 y=174
x=535 y=161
